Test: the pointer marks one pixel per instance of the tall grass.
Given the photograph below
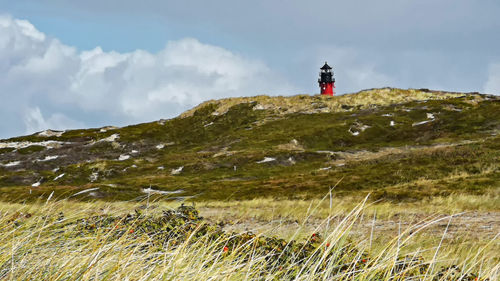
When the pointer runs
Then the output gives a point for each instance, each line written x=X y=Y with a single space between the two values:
x=41 y=243
x=270 y=208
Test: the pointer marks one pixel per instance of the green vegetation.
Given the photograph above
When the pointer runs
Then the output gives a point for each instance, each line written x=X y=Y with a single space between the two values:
x=383 y=142
x=422 y=156
x=31 y=149
x=6 y=150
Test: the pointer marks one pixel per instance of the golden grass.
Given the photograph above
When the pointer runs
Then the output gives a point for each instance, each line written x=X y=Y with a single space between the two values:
x=35 y=251
x=473 y=226
x=317 y=103
x=270 y=209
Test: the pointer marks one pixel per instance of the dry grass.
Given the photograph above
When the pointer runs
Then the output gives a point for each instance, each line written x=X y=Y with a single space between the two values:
x=475 y=223
x=271 y=209
x=317 y=103
x=39 y=250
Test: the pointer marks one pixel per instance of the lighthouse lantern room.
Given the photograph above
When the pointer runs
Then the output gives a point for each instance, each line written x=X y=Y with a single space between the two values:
x=326 y=80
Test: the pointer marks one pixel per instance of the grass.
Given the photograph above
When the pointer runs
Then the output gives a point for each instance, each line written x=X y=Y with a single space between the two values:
x=391 y=162
x=401 y=174
x=306 y=103
x=444 y=169
x=413 y=173
x=57 y=240
x=472 y=227
x=31 y=149
x=6 y=150
x=269 y=209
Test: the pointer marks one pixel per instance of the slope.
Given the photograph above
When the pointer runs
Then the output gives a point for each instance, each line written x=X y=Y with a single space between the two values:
x=397 y=144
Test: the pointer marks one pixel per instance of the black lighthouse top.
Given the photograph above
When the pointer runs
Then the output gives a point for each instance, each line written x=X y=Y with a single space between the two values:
x=326 y=66
x=326 y=75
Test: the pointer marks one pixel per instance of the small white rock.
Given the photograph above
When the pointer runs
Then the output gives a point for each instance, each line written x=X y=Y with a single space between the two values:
x=48 y=158
x=177 y=171
x=11 y=164
x=111 y=138
x=421 y=123
x=266 y=159
x=60 y=176
x=123 y=157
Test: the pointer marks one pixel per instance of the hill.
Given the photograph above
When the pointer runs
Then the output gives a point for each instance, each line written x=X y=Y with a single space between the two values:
x=402 y=145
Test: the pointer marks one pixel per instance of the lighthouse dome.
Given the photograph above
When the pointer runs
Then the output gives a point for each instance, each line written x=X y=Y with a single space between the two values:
x=326 y=67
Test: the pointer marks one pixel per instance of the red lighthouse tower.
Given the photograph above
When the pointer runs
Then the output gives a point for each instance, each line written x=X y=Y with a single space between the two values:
x=326 y=80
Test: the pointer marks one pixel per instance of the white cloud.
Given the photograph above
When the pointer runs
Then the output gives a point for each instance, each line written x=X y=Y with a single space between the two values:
x=353 y=71
x=493 y=84
x=42 y=76
x=34 y=121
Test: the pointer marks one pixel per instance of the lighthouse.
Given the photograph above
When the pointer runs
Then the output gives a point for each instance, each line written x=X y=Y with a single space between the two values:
x=326 y=81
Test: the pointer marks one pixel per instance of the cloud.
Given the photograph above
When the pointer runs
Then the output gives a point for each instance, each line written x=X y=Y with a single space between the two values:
x=383 y=24
x=42 y=76
x=492 y=85
x=353 y=69
x=34 y=121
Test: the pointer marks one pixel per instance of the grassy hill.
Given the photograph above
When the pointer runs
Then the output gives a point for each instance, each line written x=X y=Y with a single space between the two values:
x=404 y=145
x=280 y=183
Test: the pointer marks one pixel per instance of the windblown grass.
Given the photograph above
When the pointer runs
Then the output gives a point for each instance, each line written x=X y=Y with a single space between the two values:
x=271 y=209
x=62 y=241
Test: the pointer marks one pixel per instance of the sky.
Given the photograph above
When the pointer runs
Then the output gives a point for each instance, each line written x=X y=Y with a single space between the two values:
x=80 y=64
